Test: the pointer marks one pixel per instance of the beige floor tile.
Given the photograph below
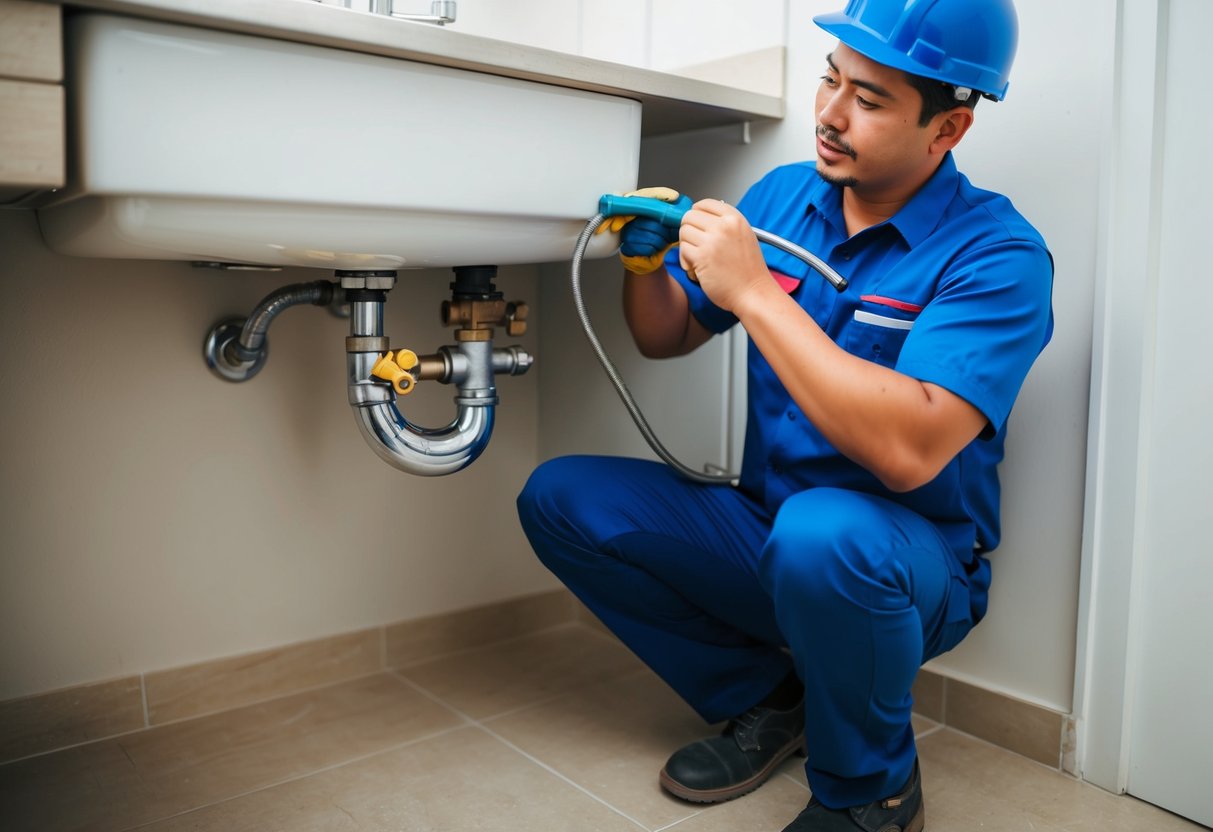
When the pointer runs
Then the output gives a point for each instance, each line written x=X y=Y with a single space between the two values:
x=971 y=785
x=503 y=677
x=463 y=780
x=612 y=739
x=769 y=809
x=156 y=773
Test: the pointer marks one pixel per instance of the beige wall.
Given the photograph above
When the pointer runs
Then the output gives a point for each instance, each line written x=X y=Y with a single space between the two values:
x=154 y=515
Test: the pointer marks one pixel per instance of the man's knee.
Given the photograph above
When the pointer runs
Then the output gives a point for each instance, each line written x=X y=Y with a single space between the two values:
x=828 y=545
x=550 y=496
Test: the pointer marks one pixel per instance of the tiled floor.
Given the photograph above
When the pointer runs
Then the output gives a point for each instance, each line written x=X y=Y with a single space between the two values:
x=562 y=730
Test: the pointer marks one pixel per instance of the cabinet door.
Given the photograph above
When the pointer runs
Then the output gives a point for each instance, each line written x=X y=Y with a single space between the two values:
x=1171 y=756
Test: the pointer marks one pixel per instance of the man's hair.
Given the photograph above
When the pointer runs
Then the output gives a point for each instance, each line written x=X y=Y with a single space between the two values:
x=937 y=97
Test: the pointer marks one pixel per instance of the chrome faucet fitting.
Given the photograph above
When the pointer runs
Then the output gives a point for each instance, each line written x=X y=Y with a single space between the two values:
x=441 y=13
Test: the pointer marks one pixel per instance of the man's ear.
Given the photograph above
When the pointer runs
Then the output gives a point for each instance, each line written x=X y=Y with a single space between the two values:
x=950 y=128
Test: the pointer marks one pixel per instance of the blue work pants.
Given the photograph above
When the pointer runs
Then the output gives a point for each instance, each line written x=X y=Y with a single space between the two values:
x=722 y=600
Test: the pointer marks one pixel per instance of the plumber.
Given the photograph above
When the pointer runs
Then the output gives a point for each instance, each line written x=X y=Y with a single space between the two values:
x=797 y=606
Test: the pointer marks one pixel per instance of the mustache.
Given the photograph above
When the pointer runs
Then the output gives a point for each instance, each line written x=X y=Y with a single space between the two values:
x=831 y=137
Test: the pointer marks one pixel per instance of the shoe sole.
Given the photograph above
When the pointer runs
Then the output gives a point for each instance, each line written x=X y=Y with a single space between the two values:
x=745 y=787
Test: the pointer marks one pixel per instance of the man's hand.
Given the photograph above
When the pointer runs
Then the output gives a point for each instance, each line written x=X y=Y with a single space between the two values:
x=644 y=242
x=720 y=252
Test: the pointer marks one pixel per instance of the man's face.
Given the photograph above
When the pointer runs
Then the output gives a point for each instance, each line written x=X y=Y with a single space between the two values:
x=868 y=136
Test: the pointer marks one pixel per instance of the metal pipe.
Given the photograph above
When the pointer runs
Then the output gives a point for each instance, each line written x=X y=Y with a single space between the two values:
x=252 y=336
x=235 y=348
x=408 y=447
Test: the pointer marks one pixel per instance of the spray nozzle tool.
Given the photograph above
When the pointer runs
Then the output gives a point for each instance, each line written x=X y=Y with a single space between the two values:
x=668 y=214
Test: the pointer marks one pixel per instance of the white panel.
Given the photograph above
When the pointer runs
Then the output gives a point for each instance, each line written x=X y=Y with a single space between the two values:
x=689 y=32
x=617 y=31
x=538 y=23
x=1171 y=756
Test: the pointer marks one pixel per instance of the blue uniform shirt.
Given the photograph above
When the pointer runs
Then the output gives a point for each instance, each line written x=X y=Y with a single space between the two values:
x=955 y=289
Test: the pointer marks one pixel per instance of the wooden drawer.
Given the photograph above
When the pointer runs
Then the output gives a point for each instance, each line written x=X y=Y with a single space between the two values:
x=31 y=137
x=31 y=98
x=31 y=41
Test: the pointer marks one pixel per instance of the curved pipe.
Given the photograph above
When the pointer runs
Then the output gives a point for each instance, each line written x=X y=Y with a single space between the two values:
x=425 y=451
x=416 y=450
x=252 y=337
x=235 y=348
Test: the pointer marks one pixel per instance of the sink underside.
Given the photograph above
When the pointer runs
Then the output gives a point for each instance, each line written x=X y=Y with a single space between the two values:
x=192 y=144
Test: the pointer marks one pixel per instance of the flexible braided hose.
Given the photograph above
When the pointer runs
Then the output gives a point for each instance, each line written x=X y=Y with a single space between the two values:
x=613 y=372
x=835 y=279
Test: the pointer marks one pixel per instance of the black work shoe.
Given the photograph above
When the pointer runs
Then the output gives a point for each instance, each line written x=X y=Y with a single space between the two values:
x=738 y=761
x=903 y=812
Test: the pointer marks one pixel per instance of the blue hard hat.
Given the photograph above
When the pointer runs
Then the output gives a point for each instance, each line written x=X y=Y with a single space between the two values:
x=969 y=44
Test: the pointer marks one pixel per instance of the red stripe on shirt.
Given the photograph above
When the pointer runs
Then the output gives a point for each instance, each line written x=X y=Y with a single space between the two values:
x=891 y=302
x=788 y=284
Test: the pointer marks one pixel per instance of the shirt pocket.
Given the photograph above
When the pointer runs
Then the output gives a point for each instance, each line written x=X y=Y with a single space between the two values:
x=878 y=336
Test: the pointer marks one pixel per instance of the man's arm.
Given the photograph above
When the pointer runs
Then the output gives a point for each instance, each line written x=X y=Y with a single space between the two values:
x=902 y=430
x=659 y=315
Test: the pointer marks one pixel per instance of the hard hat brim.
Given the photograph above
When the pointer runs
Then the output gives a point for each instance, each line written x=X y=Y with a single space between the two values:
x=873 y=46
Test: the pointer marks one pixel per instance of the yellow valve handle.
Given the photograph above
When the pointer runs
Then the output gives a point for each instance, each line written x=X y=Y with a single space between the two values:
x=388 y=369
x=406 y=359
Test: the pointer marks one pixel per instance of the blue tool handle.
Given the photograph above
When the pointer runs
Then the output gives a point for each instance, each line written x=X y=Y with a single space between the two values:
x=666 y=213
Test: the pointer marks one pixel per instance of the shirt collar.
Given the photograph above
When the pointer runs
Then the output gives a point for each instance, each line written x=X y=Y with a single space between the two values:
x=920 y=216
x=916 y=219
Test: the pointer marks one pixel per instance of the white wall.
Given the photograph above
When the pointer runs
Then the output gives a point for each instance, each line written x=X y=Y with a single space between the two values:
x=155 y=516
x=680 y=36
x=1041 y=147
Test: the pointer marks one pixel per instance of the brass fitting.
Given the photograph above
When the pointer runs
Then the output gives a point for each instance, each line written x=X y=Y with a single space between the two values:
x=477 y=317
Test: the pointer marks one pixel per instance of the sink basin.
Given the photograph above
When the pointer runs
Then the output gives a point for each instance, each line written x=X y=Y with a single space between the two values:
x=193 y=144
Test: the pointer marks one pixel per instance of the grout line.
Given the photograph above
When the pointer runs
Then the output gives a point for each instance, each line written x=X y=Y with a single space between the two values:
x=273 y=697
x=680 y=820
x=285 y=781
x=463 y=651
x=935 y=729
x=383 y=647
x=797 y=782
x=147 y=717
x=556 y=773
x=148 y=726
x=486 y=729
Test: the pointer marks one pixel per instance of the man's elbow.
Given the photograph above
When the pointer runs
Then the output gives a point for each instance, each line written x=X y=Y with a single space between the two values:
x=908 y=471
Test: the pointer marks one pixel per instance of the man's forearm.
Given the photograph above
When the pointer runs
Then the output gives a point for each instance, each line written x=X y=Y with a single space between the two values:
x=659 y=316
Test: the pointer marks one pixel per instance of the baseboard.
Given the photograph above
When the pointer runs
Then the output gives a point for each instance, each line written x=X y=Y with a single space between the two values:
x=46 y=722
x=50 y=721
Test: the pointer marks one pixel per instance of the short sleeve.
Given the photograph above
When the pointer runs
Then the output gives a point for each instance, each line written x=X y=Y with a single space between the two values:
x=981 y=333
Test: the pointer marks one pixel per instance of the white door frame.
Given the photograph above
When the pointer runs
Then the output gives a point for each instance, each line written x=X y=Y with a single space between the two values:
x=1122 y=378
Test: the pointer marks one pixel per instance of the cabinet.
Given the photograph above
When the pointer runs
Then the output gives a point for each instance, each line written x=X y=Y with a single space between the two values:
x=31 y=99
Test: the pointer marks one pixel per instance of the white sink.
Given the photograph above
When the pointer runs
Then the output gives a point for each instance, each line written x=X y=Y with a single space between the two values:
x=193 y=144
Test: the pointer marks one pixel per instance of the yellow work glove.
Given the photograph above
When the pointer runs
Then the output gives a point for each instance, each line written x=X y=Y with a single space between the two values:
x=643 y=242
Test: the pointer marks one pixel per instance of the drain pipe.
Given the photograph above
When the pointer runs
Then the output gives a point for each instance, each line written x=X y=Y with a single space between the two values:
x=470 y=365
x=235 y=349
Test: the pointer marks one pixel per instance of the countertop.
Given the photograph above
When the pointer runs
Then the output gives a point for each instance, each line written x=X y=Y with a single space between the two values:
x=671 y=103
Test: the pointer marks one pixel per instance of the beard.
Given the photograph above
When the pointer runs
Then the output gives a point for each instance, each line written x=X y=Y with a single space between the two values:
x=840 y=181
x=831 y=137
